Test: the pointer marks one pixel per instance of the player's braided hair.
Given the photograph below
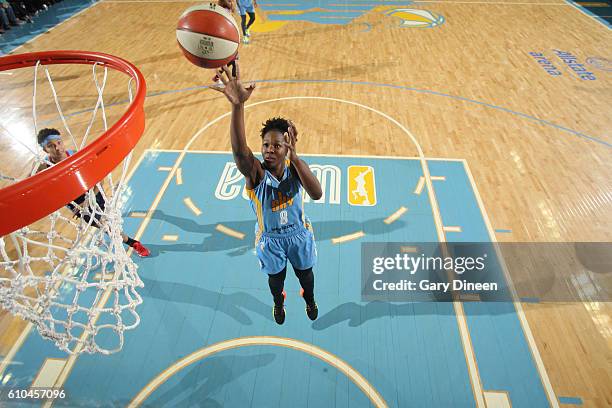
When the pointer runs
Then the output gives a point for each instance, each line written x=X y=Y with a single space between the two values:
x=279 y=124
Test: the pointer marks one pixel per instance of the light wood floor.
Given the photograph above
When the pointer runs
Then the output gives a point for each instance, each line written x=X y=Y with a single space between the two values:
x=538 y=180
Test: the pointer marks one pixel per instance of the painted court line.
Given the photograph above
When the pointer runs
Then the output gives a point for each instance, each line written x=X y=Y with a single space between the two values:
x=367 y=156
x=497 y=399
x=452 y=229
x=393 y=217
x=179 y=176
x=533 y=348
x=349 y=237
x=592 y=4
x=228 y=231
x=589 y=14
x=468 y=297
x=376 y=84
x=170 y=238
x=436 y=93
x=164 y=168
x=438 y=178
x=136 y=166
x=194 y=209
x=138 y=214
x=375 y=398
x=570 y=400
x=48 y=373
x=419 y=187
x=409 y=250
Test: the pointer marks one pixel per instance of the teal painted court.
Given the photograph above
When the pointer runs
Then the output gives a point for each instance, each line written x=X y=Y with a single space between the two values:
x=205 y=287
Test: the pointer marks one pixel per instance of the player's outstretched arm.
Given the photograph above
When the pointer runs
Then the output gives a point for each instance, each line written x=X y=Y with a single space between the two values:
x=309 y=181
x=237 y=94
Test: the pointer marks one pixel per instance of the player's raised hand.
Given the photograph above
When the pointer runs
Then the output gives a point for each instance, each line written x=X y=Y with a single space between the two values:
x=291 y=140
x=293 y=130
x=228 y=4
x=232 y=88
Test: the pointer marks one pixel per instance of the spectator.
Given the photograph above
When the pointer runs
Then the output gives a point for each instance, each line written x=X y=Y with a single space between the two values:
x=7 y=16
x=20 y=9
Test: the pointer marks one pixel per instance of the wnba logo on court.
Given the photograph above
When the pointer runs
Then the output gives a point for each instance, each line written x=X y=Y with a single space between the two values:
x=416 y=18
x=361 y=186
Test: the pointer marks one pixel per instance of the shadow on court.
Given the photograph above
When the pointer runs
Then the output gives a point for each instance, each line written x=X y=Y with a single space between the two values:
x=355 y=314
x=233 y=305
x=216 y=241
x=207 y=377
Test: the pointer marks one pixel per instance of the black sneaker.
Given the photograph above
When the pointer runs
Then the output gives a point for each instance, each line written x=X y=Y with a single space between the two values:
x=312 y=310
x=279 y=314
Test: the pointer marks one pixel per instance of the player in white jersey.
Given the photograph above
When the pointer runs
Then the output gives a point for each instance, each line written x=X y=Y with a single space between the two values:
x=275 y=187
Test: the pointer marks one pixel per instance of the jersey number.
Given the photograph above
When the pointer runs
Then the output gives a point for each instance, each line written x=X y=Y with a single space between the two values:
x=283 y=217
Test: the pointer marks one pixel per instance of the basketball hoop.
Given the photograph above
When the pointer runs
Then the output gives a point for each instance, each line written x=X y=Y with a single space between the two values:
x=29 y=200
x=72 y=276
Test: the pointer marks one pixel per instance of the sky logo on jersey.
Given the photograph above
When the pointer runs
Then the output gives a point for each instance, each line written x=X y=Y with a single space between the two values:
x=361 y=186
x=282 y=202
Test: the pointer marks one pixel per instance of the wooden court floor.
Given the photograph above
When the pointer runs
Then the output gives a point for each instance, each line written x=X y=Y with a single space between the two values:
x=539 y=145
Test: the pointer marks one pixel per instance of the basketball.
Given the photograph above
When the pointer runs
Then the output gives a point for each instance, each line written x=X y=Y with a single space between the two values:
x=208 y=35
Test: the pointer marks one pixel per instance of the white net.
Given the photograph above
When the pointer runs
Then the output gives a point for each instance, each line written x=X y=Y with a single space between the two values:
x=71 y=274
